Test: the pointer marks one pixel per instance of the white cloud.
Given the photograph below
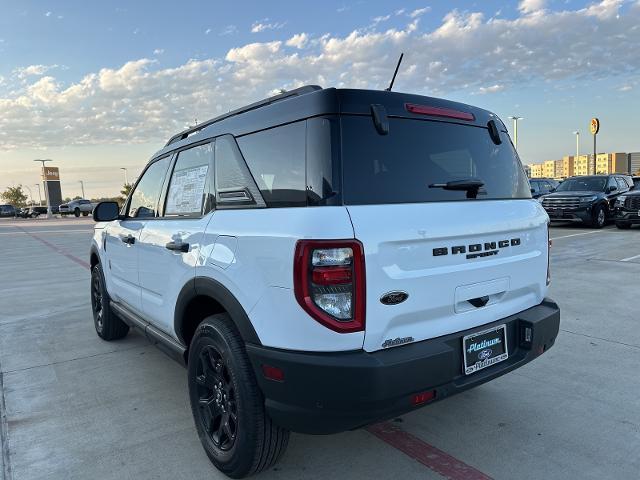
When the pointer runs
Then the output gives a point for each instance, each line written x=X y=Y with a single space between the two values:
x=531 y=6
x=48 y=14
x=207 y=31
x=419 y=12
x=144 y=102
x=261 y=26
x=158 y=51
x=491 y=89
x=32 y=70
x=624 y=88
x=380 y=19
x=299 y=40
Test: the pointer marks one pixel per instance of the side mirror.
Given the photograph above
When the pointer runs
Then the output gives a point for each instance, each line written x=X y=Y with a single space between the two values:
x=553 y=189
x=533 y=190
x=612 y=188
x=106 y=212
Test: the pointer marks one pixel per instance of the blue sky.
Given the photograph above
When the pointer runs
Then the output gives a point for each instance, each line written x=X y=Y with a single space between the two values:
x=100 y=85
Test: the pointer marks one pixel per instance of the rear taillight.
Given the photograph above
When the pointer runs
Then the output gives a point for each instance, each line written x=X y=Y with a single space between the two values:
x=329 y=282
x=438 y=112
x=548 y=256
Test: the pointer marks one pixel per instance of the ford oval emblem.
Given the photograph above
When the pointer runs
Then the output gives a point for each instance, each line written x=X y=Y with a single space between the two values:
x=484 y=354
x=393 y=298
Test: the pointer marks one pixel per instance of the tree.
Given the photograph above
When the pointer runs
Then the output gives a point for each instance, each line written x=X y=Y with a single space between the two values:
x=126 y=190
x=15 y=196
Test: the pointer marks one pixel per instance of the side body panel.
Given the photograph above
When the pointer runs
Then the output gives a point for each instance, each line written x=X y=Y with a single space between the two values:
x=251 y=253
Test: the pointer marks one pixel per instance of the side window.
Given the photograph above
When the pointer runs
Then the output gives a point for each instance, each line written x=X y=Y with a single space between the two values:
x=276 y=159
x=622 y=185
x=612 y=182
x=546 y=187
x=234 y=185
x=188 y=191
x=535 y=186
x=144 y=199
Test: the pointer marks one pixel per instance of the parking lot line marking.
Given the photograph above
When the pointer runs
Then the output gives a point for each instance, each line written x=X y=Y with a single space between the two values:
x=628 y=259
x=428 y=455
x=73 y=258
x=576 y=234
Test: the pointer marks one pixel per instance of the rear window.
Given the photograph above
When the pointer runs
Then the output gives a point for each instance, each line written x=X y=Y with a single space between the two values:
x=403 y=166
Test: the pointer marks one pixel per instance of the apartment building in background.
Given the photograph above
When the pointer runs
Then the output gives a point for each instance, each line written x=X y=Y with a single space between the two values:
x=634 y=163
x=602 y=164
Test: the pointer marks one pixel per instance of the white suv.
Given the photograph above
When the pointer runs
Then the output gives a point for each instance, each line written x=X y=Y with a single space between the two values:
x=325 y=259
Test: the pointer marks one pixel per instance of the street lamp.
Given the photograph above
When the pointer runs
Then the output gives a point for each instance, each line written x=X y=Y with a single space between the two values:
x=577 y=134
x=515 y=129
x=39 y=195
x=82 y=185
x=46 y=185
x=126 y=180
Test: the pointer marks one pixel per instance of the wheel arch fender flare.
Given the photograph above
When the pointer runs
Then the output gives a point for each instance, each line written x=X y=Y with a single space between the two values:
x=208 y=287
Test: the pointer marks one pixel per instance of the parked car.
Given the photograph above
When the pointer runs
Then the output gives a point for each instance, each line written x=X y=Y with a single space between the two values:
x=77 y=207
x=35 y=211
x=586 y=199
x=371 y=252
x=542 y=186
x=7 y=211
x=627 y=207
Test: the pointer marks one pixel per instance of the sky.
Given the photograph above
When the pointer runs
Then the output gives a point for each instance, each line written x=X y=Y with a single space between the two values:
x=101 y=85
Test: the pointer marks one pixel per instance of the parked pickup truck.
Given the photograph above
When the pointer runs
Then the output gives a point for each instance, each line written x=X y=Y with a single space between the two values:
x=77 y=207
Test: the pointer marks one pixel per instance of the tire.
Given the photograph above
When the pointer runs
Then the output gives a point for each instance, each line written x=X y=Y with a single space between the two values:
x=76 y=212
x=223 y=391
x=84 y=214
x=623 y=225
x=108 y=325
x=599 y=217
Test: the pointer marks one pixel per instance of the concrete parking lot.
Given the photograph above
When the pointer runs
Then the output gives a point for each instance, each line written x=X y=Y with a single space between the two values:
x=75 y=407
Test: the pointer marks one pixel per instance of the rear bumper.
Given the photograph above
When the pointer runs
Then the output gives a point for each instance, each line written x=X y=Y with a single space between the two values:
x=332 y=392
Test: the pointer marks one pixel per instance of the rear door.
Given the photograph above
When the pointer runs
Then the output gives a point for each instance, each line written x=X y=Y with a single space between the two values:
x=122 y=236
x=464 y=257
x=169 y=244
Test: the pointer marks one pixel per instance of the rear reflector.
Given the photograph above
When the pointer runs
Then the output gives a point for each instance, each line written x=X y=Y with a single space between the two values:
x=331 y=275
x=272 y=373
x=439 y=112
x=423 y=397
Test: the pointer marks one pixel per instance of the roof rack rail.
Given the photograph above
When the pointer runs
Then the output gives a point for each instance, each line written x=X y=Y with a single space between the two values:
x=262 y=103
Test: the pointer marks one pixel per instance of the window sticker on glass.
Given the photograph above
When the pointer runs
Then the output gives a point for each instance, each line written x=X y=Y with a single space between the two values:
x=187 y=190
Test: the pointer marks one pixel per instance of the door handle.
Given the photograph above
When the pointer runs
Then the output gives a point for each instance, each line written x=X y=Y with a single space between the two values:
x=178 y=247
x=128 y=239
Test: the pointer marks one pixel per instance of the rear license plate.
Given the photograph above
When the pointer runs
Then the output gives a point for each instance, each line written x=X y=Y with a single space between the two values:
x=485 y=348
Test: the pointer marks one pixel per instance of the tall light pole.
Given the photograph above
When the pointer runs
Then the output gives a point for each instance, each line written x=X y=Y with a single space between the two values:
x=126 y=180
x=82 y=185
x=39 y=195
x=46 y=185
x=577 y=134
x=515 y=129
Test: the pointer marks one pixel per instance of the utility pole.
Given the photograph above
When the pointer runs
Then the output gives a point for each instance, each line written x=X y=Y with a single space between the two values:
x=46 y=186
x=515 y=129
x=577 y=134
x=126 y=180
x=82 y=185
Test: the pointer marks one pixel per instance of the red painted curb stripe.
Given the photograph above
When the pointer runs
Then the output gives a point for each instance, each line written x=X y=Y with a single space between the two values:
x=53 y=247
x=428 y=455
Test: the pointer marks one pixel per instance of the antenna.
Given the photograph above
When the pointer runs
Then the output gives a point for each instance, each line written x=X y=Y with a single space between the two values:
x=395 y=73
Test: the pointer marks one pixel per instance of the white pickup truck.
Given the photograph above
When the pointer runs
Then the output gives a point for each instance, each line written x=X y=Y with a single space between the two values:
x=77 y=207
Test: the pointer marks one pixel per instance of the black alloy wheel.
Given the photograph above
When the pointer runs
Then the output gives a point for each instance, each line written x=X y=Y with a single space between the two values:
x=97 y=302
x=217 y=405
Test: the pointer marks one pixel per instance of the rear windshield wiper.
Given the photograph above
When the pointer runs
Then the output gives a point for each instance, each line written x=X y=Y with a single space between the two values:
x=470 y=185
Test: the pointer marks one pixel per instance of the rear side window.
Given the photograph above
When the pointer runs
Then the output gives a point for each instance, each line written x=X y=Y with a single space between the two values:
x=235 y=187
x=188 y=185
x=405 y=165
x=276 y=159
x=146 y=195
x=622 y=185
